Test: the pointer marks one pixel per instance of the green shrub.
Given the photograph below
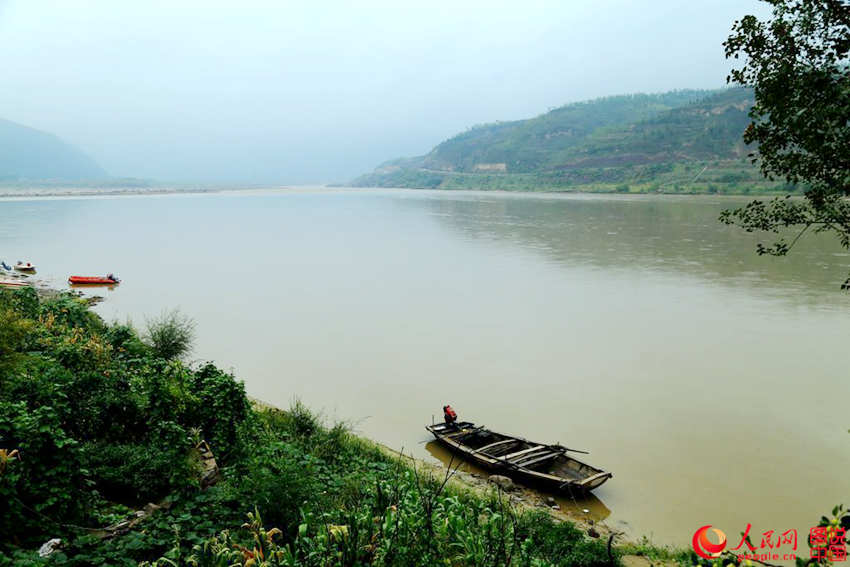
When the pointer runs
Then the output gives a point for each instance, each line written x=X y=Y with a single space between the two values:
x=219 y=405
x=279 y=481
x=72 y=313
x=171 y=334
x=299 y=421
x=46 y=481
x=106 y=407
x=561 y=544
x=136 y=473
x=13 y=332
x=23 y=301
x=125 y=341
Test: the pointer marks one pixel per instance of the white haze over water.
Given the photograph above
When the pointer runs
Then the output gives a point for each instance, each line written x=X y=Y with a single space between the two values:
x=297 y=92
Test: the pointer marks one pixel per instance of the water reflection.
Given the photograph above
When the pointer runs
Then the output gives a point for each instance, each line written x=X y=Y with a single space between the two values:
x=85 y=286
x=664 y=235
x=586 y=506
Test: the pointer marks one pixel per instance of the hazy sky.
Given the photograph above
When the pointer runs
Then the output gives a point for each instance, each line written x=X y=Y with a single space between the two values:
x=301 y=92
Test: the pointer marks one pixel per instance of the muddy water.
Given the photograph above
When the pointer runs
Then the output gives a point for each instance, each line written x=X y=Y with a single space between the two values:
x=712 y=382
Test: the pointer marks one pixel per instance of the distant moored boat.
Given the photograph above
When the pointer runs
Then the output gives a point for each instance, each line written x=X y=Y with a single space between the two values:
x=25 y=266
x=94 y=280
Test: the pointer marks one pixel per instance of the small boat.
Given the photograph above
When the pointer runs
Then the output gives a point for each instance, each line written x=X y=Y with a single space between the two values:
x=5 y=266
x=24 y=266
x=108 y=279
x=7 y=283
x=545 y=466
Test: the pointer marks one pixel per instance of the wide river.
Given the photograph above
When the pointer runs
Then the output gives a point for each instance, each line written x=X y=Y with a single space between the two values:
x=712 y=382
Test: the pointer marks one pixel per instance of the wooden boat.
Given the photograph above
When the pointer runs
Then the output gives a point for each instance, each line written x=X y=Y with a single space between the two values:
x=7 y=283
x=546 y=466
x=94 y=280
x=25 y=267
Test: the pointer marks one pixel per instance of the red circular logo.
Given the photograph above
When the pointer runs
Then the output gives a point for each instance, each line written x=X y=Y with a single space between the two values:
x=704 y=547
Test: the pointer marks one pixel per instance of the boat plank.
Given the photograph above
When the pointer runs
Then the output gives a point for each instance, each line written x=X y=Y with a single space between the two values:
x=457 y=434
x=496 y=444
x=537 y=458
x=523 y=452
x=590 y=479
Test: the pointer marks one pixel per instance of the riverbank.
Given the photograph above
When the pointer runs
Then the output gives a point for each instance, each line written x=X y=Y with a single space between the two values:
x=16 y=192
x=494 y=185
x=519 y=496
x=682 y=179
x=104 y=435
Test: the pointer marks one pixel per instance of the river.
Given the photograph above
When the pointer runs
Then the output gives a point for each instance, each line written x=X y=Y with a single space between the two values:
x=710 y=381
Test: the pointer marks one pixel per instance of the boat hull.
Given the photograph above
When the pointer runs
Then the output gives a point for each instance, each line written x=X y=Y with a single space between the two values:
x=86 y=280
x=547 y=467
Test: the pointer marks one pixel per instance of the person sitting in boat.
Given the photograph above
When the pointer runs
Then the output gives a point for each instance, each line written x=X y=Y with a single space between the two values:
x=449 y=415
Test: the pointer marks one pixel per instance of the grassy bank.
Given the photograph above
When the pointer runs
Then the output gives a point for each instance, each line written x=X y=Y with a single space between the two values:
x=701 y=178
x=100 y=434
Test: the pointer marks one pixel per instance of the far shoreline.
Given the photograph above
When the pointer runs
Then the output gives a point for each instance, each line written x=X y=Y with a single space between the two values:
x=39 y=193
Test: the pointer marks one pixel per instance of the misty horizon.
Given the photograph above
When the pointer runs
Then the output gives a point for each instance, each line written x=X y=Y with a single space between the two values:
x=297 y=95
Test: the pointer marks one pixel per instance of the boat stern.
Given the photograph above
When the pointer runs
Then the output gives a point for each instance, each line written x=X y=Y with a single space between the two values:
x=595 y=481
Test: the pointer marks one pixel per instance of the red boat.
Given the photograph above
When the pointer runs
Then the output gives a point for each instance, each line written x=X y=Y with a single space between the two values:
x=94 y=280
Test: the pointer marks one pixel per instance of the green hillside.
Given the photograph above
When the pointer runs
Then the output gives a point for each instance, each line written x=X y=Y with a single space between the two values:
x=681 y=141
x=29 y=154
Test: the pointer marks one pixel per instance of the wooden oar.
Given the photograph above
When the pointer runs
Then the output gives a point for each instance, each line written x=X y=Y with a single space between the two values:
x=566 y=449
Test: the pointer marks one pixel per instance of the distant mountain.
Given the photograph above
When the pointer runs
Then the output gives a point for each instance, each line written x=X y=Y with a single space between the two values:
x=29 y=154
x=688 y=141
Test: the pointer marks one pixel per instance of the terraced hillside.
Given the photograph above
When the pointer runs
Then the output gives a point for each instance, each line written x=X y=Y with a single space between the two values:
x=681 y=141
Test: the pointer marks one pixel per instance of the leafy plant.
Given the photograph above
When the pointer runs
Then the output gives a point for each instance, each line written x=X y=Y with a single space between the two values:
x=171 y=334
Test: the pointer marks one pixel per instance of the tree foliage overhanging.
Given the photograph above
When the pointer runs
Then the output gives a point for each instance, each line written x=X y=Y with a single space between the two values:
x=797 y=64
